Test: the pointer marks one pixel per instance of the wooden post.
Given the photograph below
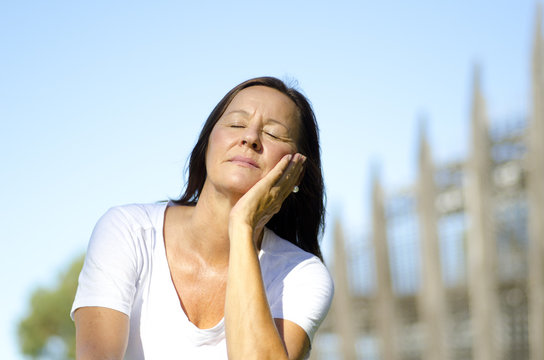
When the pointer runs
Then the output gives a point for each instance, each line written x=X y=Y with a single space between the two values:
x=344 y=319
x=535 y=197
x=481 y=242
x=432 y=300
x=385 y=301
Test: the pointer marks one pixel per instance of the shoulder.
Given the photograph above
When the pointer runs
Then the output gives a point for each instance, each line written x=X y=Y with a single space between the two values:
x=118 y=255
x=134 y=215
x=298 y=285
x=126 y=229
x=283 y=259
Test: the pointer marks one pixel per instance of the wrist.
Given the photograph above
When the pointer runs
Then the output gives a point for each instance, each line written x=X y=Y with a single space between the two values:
x=239 y=228
x=241 y=232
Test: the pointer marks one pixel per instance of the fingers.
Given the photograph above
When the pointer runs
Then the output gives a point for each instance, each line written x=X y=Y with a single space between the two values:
x=285 y=175
x=292 y=174
x=279 y=170
x=280 y=181
x=265 y=198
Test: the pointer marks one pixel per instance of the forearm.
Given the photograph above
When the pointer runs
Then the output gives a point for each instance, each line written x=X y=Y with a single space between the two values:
x=250 y=329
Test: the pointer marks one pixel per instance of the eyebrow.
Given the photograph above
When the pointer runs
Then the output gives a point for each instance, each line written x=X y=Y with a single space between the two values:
x=268 y=120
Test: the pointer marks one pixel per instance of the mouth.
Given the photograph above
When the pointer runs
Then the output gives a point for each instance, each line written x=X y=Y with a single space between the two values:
x=244 y=161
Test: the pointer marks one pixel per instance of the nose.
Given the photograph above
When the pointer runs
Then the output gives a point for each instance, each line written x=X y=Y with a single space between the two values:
x=251 y=137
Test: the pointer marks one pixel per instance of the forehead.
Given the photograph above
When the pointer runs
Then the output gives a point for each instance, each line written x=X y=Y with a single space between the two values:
x=268 y=102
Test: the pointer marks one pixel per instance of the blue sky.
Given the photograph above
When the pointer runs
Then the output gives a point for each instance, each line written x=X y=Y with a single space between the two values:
x=101 y=102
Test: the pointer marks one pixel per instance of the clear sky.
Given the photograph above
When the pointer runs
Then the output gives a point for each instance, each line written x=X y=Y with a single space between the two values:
x=101 y=102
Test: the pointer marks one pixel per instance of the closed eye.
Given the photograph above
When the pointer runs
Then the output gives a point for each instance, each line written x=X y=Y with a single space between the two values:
x=272 y=135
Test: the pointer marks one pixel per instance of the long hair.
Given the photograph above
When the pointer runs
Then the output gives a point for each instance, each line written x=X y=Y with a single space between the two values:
x=301 y=218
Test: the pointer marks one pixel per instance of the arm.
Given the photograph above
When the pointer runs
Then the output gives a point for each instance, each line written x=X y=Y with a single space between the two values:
x=101 y=333
x=291 y=335
x=250 y=328
x=106 y=289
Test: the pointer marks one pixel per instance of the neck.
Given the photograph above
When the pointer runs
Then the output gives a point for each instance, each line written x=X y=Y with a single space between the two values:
x=208 y=224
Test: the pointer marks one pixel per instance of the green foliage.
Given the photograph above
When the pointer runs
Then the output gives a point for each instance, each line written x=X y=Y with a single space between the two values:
x=48 y=322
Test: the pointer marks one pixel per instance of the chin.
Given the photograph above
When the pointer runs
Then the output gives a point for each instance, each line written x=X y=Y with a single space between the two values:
x=240 y=185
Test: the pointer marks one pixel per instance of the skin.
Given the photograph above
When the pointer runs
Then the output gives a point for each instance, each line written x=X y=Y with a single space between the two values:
x=212 y=248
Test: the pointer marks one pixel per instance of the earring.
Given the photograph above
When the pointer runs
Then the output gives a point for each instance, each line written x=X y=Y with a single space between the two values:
x=296 y=189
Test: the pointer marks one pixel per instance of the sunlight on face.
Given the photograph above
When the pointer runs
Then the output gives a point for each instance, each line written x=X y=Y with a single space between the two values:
x=258 y=128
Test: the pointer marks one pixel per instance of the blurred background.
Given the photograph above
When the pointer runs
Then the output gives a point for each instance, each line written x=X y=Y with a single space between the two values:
x=432 y=128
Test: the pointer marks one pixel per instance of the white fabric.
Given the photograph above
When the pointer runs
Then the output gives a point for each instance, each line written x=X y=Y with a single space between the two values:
x=126 y=270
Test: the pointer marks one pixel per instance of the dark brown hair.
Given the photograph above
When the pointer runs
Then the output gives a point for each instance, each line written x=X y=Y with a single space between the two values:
x=302 y=215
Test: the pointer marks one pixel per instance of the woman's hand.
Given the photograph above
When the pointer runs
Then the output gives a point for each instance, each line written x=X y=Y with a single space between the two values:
x=265 y=198
x=249 y=327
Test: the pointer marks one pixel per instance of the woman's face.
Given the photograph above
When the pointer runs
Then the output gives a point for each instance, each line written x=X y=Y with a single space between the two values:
x=257 y=129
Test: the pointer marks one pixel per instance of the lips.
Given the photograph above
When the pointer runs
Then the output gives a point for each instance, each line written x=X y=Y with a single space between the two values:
x=244 y=161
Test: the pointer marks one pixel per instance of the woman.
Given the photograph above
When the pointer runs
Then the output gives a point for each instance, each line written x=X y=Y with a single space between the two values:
x=232 y=269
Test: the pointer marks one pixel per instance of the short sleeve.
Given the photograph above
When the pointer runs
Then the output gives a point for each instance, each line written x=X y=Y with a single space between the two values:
x=303 y=296
x=110 y=271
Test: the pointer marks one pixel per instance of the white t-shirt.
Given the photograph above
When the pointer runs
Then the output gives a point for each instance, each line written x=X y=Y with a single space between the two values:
x=126 y=269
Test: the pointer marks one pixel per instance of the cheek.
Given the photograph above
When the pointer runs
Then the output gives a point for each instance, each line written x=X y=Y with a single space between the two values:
x=217 y=141
x=212 y=149
x=278 y=152
x=215 y=136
